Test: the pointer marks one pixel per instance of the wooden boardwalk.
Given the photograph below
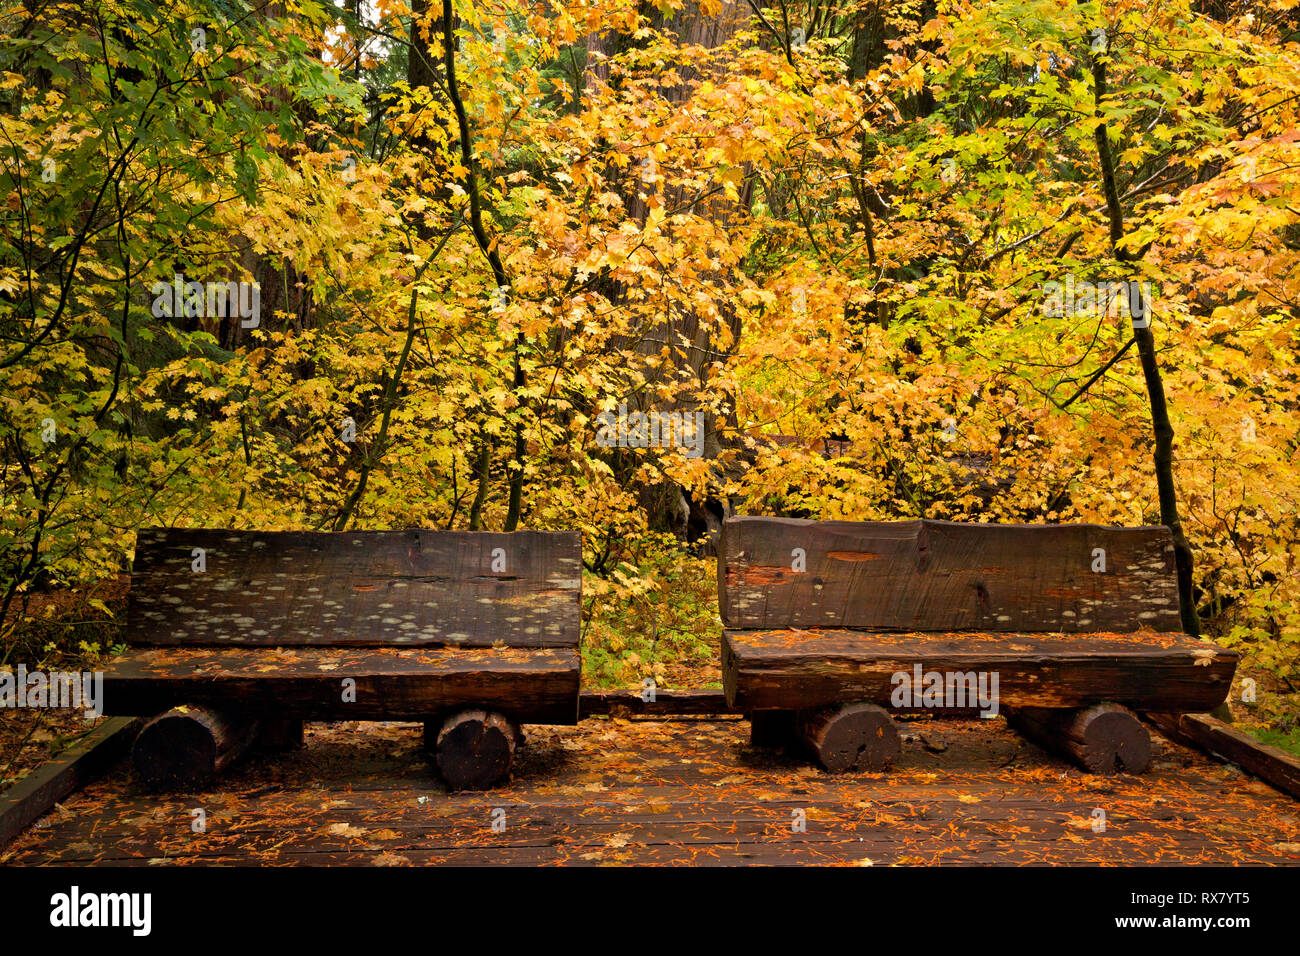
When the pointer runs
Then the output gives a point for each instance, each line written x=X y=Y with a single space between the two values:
x=679 y=792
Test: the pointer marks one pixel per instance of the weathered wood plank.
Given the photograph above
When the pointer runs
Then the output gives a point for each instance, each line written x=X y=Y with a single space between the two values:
x=1204 y=732
x=925 y=814
x=24 y=802
x=361 y=588
x=945 y=576
x=666 y=703
x=368 y=799
x=738 y=849
x=530 y=685
x=796 y=669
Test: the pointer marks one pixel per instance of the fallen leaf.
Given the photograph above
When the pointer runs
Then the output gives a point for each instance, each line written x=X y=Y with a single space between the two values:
x=345 y=830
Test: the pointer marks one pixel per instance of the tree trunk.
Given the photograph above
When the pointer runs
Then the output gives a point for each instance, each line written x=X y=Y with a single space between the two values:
x=1162 y=427
x=681 y=350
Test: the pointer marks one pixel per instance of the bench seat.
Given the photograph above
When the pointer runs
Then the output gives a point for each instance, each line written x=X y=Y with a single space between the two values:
x=833 y=627
x=530 y=685
x=797 y=668
x=237 y=637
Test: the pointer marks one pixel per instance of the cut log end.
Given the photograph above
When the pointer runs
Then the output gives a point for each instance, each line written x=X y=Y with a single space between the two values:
x=1116 y=742
x=1102 y=739
x=474 y=748
x=187 y=747
x=851 y=737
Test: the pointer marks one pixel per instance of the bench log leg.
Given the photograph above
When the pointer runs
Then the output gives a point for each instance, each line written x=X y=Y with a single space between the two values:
x=771 y=728
x=189 y=745
x=279 y=733
x=850 y=736
x=473 y=748
x=1103 y=739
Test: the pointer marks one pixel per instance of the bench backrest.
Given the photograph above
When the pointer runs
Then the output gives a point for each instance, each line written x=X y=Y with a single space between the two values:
x=355 y=588
x=946 y=576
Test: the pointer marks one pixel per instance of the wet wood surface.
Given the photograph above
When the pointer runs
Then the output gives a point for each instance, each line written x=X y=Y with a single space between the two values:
x=532 y=685
x=850 y=737
x=665 y=703
x=1103 y=738
x=945 y=576
x=189 y=745
x=473 y=748
x=32 y=796
x=795 y=669
x=676 y=792
x=356 y=588
x=1272 y=764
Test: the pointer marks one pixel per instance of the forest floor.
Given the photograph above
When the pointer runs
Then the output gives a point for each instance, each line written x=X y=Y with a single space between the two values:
x=613 y=791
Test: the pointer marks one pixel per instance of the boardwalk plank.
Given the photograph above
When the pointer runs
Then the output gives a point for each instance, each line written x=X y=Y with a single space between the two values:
x=613 y=791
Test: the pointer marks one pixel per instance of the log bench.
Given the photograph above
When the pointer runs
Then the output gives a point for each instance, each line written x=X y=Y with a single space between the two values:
x=829 y=626
x=237 y=637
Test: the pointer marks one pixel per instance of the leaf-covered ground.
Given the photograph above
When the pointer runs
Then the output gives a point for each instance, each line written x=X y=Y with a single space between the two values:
x=29 y=738
x=680 y=792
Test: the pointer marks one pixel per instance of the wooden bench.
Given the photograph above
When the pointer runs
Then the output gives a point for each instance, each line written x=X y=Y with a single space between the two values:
x=1078 y=623
x=239 y=636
